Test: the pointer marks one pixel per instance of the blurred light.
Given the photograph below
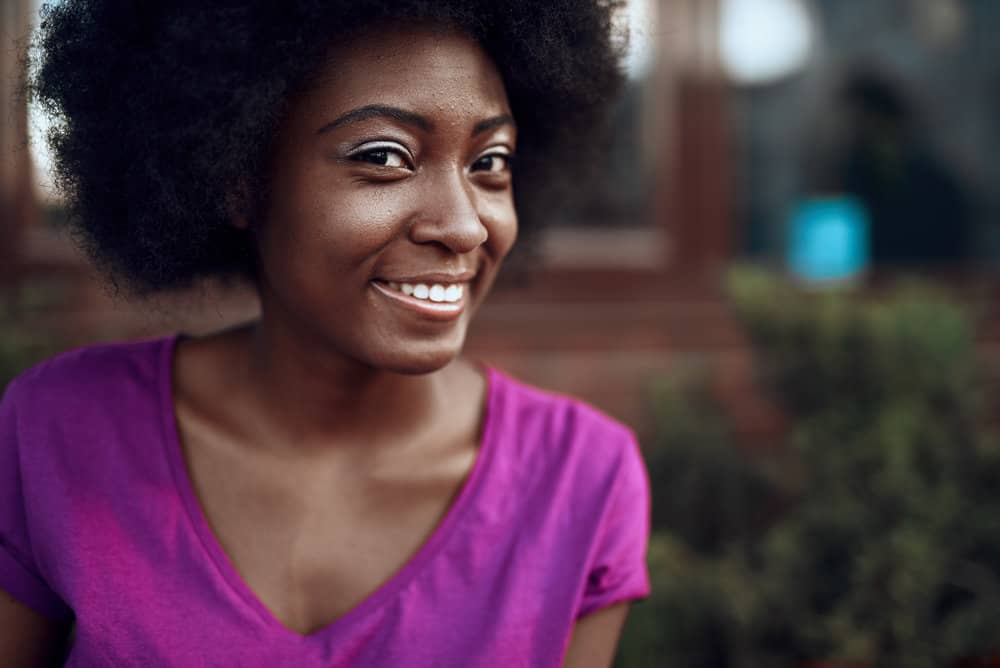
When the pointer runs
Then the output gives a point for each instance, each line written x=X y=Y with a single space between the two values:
x=640 y=21
x=39 y=126
x=939 y=23
x=828 y=240
x=762 y=41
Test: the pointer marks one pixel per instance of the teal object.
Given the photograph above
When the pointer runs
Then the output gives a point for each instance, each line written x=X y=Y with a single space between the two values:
x=828 y=239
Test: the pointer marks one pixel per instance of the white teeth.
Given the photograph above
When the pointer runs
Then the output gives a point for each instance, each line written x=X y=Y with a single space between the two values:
x=435 y=293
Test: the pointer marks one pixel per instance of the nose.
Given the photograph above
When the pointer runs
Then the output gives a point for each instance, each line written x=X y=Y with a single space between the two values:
x=449 y=214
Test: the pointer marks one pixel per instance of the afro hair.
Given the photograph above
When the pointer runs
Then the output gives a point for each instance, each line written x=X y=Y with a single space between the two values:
x=165 y=110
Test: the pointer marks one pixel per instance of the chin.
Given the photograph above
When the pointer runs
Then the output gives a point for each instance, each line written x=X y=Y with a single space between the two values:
x=418 y=364
x=418 y=354
x=414 y=353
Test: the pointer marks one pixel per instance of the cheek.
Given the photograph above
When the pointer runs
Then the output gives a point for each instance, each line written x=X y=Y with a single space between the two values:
x=502 y=225
x=338 y=226
x=359 y=221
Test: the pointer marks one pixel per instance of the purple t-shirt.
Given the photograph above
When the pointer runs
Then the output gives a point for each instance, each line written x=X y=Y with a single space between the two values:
x=99 y=522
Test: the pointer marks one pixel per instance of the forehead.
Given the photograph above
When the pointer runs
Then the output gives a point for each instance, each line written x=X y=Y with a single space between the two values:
x=429 y=69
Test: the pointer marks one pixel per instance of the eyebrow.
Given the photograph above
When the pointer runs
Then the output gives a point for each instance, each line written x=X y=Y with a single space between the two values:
x=495 y=122
x=378 y=111
x=407 y=117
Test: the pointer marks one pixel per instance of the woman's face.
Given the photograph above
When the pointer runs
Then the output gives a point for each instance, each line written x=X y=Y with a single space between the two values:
x=390 y=206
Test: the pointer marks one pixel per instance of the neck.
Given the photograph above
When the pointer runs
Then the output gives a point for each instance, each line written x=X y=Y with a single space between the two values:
x=315 y=396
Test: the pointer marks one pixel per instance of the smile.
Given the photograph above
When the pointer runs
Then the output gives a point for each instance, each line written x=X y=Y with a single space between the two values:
x=439 y=300
x=436 y=292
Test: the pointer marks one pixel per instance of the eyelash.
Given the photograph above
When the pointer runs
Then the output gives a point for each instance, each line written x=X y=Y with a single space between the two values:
x=365 y=151
x=507 y=159
x=388 y=148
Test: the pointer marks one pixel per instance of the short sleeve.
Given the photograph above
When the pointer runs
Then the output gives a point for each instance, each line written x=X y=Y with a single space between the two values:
x=19 y=575
x=617 y=570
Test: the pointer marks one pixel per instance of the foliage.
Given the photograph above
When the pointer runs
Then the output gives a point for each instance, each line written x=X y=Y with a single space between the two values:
x=22 y=342
x=700 y=614
x=709 y=502
x=706 y=493
x=886 y=549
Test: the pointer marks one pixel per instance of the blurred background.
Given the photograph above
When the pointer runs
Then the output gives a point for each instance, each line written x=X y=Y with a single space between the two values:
x=786 y=280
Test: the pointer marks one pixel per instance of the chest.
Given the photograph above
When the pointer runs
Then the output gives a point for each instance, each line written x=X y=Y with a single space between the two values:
x=312 y=541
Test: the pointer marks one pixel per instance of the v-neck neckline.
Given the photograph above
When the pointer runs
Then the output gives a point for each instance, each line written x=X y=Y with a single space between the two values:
x=385 y=591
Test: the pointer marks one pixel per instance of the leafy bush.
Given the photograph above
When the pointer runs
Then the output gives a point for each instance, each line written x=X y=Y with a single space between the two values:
x=886 y=549
x=891 y=554
x=707 y=493
x=22 y=342
x=696 y=616
x=709 y=506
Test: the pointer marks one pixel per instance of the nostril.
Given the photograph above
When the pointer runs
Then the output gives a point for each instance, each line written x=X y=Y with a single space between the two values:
x=451 y=215
x=458 y=235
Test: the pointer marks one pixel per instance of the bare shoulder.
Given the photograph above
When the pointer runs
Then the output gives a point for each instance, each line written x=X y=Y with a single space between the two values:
x=27 y=639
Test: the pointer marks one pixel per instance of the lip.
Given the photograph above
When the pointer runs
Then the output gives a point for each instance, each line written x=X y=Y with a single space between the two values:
x=440 y=311
x=438 y=277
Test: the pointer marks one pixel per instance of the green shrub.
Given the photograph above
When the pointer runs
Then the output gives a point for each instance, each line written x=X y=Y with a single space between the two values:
x=710 y=503
x=693 y=619
x=22 y=342
x=707 y=492
x=896 y=512
x=886 y=549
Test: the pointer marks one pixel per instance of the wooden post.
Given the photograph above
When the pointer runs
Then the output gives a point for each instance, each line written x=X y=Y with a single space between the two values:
x=17 y=200
x=697 y=199
x=702 y=228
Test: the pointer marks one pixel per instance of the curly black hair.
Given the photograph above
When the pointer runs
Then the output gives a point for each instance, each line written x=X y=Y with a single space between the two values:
x=165 y=110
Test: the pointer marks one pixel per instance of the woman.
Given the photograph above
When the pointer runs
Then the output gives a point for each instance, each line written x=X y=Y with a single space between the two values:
x=331 y=484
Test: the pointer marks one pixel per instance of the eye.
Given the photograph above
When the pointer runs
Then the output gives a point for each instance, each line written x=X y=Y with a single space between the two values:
x=383 y=154
x=495 y=161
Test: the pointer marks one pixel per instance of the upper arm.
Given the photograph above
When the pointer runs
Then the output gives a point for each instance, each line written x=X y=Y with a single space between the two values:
x=28 y=606
x=27 y=639
x=595 y=638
